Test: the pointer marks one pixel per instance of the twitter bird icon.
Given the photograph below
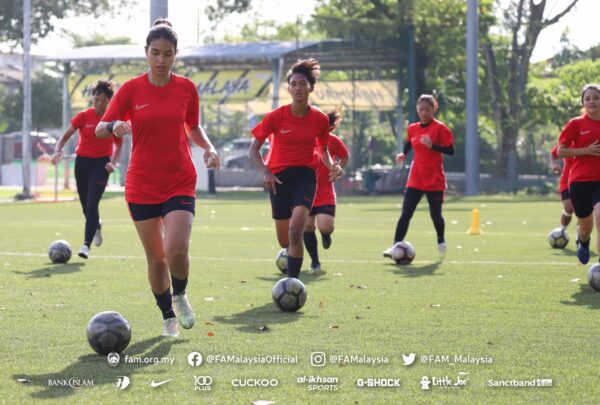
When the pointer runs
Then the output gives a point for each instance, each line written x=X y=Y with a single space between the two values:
x=408 y=359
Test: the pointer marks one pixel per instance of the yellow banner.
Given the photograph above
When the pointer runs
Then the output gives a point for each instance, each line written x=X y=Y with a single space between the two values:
x=82 y=95
x=234 y=86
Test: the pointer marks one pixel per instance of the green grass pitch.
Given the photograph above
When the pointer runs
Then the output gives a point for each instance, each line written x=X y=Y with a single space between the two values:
x=504 y=295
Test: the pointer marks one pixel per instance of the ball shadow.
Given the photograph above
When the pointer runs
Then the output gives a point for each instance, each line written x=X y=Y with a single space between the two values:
x=586 y=296
x=52 y=269
x=413 y=270
x=252 y=320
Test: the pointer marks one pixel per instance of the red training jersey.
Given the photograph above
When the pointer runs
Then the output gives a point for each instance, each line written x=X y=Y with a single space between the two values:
x=293 y=139
x=427 y=169
x=161 y=163
x=579 y=133
x=88 y=144
x=325 y=194
x=566 y=170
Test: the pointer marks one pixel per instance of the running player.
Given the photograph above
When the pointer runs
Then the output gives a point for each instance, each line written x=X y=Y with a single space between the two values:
x=430 y=139
x=580 y=139
x=160 y=187
x=322 y=214
x=295 y=130
x=96 y=159
x=563 y=188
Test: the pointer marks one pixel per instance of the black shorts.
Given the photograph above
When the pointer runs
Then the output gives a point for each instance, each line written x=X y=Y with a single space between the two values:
x=142 y=212
x=565 y=195
x=584 y=195
x=323 y=209
x=298 y=188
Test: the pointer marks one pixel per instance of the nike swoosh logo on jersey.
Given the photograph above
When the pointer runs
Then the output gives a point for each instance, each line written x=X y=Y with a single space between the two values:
x=585 y=132
x=89 y=125
x=159 y=383
x=139 y=107
x=286 y=131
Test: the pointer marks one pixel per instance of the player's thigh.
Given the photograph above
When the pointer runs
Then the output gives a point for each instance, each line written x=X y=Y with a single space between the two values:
x=150 y=232
x=282 y=229
x=178 y=230
x=325 y=223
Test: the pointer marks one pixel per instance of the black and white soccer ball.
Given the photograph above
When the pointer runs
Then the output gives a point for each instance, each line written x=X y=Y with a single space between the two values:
x=594 y=277
x=403 y=252
x=281 y=260
x=289 y=294
x=108 y=332
x=59 y=251
x=558 y=238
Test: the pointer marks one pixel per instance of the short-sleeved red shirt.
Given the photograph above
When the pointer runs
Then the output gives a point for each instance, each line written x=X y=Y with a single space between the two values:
x=579 y=133
x=427 y=169
x=293 y=139
x=564 y=175
x=89 y=145
x=325 y=194
x=161 y=163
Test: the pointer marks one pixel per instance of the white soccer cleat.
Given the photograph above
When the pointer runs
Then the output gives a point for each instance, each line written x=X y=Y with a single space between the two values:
x=170 y=327
x=84 y=252
x=388 y=252
x=184 y=311
x=315 y=268
x=442 y=248
x=98 y=235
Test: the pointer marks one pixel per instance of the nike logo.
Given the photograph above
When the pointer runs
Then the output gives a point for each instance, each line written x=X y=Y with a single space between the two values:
x=185 y=203
x=585 y=132
x=89 y=125
x=158 y=384
x=286 y=131
x=139 y=107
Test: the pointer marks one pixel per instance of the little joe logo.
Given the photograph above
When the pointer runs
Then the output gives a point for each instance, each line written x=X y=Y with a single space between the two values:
x=445 y=382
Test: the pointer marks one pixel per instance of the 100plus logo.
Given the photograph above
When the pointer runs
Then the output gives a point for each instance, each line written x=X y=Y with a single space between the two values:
x=202 y=382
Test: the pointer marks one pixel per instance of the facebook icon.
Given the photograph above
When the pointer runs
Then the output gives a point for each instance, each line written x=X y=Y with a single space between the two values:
x=194 y=359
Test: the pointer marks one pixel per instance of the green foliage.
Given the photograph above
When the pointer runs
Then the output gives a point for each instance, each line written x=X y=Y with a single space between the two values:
x=97 y=38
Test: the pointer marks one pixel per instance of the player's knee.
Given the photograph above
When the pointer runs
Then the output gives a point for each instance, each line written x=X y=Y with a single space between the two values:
x=177 y=254
x=295 y=233
x=309 y=228
x=157 y=263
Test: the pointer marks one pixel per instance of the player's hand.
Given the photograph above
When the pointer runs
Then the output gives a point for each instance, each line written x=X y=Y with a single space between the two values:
x=426 y=140
x=211 y=159
x=336 y=172
x=555 y=168
x=56 y=157
x=109 y=167
x=270 y=181
x=121 y=128
x=593 y=149
x=400 y=158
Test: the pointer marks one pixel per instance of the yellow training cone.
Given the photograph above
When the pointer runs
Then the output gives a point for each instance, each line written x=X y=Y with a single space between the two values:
x=475 y=229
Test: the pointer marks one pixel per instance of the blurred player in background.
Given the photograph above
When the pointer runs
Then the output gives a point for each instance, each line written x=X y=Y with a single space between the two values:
x=96 y=159
x=160 y=186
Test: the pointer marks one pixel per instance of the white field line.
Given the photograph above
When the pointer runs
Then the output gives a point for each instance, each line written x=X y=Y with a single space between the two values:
x=256 y=259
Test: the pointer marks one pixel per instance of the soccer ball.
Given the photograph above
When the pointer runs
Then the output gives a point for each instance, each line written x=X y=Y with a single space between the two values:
x=59 y=251
x=403 y=252
x=289 y=294
x=558 y=238
x=281 y=260
x=108 y=332
x=594 y=277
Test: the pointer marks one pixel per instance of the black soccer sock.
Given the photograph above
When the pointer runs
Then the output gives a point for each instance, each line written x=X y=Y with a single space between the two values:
x=294 y=266
x=441 y=240
x=326 y=238
x=585 y=244
x=178 y=285
x=165 y=303
x=88 y=244
x=310 y=241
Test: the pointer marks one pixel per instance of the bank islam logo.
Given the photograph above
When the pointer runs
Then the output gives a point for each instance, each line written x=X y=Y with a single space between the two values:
x=113 y=359
x=445 y=381
x=123 y=382
x=194 y=359
x=409 y=359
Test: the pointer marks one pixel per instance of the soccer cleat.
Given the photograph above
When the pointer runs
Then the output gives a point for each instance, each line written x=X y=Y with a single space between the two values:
x=315 y=268
x=326 y=240
x=170 y=328
x=442 y=248
x=184 y=311
x=388 y=252
x=84 y=252
x=583 y=253
x=98 y=235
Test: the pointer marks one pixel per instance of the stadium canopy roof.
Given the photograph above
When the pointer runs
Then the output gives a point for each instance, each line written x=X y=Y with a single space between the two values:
x=331 y=53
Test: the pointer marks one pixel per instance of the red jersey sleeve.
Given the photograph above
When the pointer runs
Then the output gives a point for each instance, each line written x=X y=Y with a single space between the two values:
x=337 y=147
x=193 y=111
x=120 y=105
x=554 y=152
x=323 y=135
x=78 y=120
x=568 y=134
x=446 y=138
x=265 y=127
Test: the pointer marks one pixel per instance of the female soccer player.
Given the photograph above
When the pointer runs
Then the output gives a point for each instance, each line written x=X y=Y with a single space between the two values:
x=430 y=139
x=563 y=188
x=160 y=184
x=322 y=213
x=580 y=139
x=96 y=159
x=295 y=130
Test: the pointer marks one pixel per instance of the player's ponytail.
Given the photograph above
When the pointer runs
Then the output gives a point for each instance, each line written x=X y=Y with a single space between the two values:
x=162 y=29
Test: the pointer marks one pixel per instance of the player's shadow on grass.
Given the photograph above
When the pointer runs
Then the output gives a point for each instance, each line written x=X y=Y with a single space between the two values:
x=585 y=297
x=252 y=320
x=95 y=367
x=564 y=252
x=305 y=277
x=52 y=269
x=413 y=270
